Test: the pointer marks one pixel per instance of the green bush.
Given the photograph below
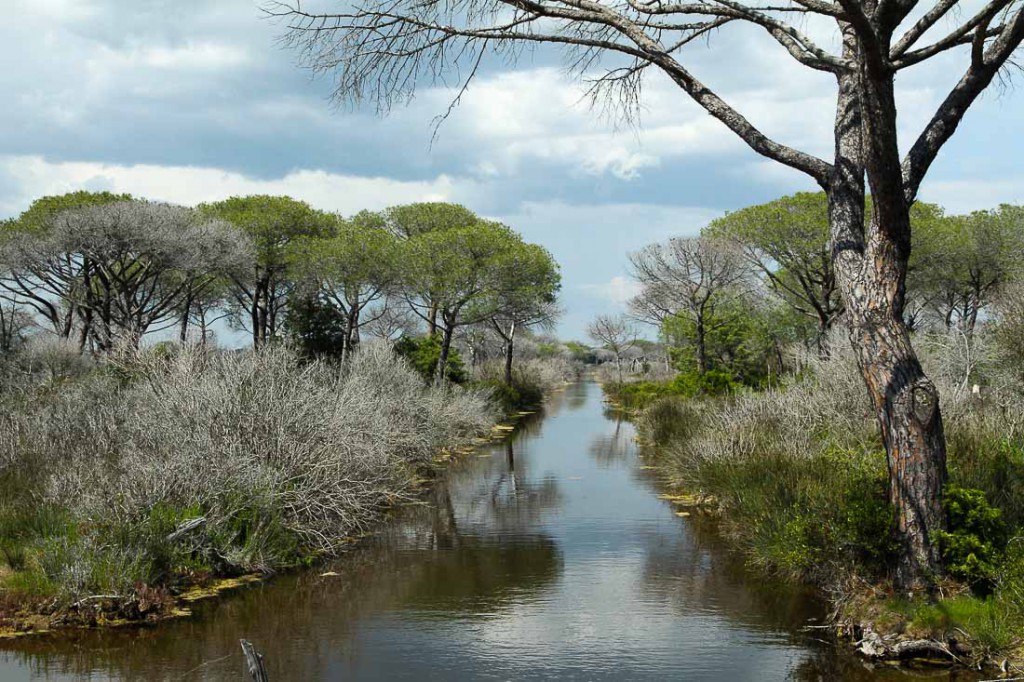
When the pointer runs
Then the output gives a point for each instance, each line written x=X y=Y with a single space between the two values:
x=981 y=457
x=669 y=419
x=424 y=352
x=316 y=326
x=639 y=395
x=805 y=515
x=517 y=397
x=972 y=547
x=712 y=383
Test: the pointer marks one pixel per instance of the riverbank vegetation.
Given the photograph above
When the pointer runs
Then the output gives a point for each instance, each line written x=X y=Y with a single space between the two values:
x=279 y=460
x=767 y=422
x=139 y=457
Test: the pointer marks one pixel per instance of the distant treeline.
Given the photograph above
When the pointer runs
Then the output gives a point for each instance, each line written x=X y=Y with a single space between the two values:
x=102 y=270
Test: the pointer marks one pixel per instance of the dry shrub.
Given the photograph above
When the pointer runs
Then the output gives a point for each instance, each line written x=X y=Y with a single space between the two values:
x=546 y=374
x=283 y=458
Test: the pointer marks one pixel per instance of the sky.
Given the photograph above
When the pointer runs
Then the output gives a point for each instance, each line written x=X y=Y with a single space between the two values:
x=193 y=100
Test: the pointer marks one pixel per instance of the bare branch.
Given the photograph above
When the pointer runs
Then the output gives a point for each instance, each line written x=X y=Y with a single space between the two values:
x=949 y=114
x=969 y=31
x=915 y=32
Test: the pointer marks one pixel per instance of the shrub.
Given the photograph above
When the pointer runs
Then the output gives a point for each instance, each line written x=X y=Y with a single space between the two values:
x=670 y=419
x=316 y=325
x=424 y=352
x=712 y=383
x=637 y=395
x=295 y=457
x=532 y=380
x=973 y=545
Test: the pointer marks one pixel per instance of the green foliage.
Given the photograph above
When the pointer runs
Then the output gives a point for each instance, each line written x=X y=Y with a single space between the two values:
x=424 y=352
x=982 y=457
x=272 y=223
x=807 y=515
x=456 y=270
x=788 y=242
x=510 y=399
x=527 y=281
x=22 y=524
x=993 y=624
x=638 y=395
x=973 y=545
x=742 y=342
x=39 y=216
x=413 y=220
x=316 y=326
x=524 y=393
x=581 y=352
x=351 y=268
x=712 y=383
x=669 y=419
x=960 y=262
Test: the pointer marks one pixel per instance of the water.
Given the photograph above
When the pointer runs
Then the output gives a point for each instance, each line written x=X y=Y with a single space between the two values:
x=548 y=556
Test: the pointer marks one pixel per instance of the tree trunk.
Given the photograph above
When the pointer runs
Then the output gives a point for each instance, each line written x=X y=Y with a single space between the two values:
x=432 y=320
x=906 y=407
x=83 y=336
x=183 y=331
x=824 y=326
x=905 y=402
x=203 y=332
x=442 y=361
x=351 y=336
x=263 y=304
x=254 y=316
x=871 y=268
x=509 y=347
x=701 y=347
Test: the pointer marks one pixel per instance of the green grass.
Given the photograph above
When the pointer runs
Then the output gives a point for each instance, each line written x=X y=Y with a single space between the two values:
x=639 y=395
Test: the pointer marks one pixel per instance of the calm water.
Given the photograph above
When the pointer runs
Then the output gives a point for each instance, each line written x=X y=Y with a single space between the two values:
x=549 y=556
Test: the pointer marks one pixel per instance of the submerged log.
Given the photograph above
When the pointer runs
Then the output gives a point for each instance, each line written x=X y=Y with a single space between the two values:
x=257 y=672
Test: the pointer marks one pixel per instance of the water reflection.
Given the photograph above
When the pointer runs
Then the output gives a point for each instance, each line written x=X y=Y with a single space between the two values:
x=611 y=448
x=547 y=556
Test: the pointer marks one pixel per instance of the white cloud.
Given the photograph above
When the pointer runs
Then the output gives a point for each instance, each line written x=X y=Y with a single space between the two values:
x=964 y=196
x=24 y=178
x=198 y=56
x=618 y=290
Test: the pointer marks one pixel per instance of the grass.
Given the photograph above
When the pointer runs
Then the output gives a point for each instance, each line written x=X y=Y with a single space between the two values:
x=635 y=396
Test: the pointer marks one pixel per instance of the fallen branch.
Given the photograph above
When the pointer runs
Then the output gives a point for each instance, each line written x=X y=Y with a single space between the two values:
x=185 y=527
x=257 y=672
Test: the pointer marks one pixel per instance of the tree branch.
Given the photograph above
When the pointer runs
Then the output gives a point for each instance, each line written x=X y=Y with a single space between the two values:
x=949 y=114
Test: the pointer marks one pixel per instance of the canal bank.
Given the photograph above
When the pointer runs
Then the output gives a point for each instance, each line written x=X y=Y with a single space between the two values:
x=548 y=555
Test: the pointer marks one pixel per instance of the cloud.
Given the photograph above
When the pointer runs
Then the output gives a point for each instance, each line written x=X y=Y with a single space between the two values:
x=618 y=290
x=24 y=178
x=964 y=196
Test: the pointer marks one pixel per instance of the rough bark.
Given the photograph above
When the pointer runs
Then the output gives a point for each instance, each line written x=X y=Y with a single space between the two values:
x=871 y=267
x=701 y=346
